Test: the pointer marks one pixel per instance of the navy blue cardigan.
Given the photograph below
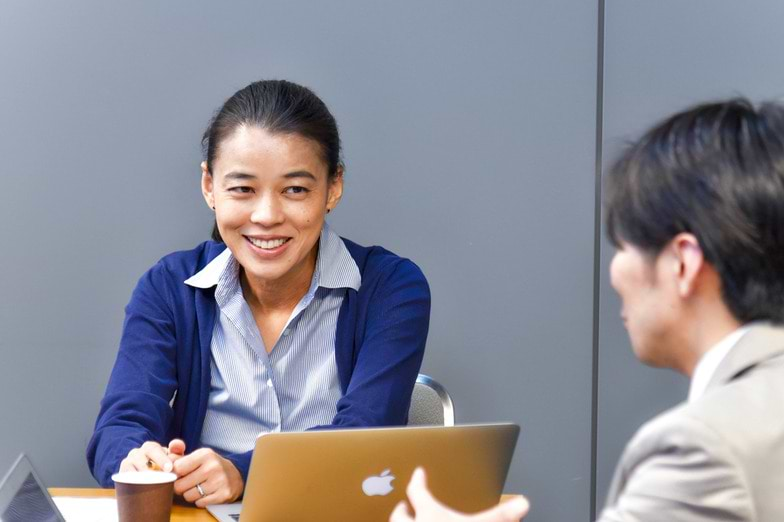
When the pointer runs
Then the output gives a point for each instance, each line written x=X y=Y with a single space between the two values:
x=160 y=383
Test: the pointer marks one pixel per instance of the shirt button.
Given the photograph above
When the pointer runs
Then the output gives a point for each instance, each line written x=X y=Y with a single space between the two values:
x=269 y=383
x=286 y=332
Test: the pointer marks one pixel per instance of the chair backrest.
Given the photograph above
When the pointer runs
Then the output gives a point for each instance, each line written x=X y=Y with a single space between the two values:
x=431 y=405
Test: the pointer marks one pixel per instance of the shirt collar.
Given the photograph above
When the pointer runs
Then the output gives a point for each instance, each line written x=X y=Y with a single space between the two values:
x=335 y=268
x=209 y=276
x=710 y=361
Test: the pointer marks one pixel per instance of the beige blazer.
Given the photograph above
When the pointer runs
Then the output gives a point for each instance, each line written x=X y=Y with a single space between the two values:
x=719 y=458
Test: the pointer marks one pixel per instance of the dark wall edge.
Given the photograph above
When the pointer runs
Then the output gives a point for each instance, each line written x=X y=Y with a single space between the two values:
x=597 y=258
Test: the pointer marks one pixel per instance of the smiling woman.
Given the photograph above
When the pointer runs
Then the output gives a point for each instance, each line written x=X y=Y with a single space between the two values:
x=270 y=193
x=278 y=324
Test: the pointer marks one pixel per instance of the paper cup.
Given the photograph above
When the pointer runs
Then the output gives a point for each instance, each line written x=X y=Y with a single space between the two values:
x=144 y=495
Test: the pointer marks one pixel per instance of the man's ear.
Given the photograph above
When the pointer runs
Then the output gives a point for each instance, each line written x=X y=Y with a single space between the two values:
x=689 y=262
x=207 y=186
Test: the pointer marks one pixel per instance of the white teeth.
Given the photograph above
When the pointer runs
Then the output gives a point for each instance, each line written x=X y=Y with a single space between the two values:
x=267 y=245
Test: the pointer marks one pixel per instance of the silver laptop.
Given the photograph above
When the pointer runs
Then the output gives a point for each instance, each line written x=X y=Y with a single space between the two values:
x=23 y=497
x=361 y=474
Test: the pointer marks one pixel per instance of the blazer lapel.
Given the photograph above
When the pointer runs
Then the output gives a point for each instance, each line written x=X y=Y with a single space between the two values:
x=762 y=342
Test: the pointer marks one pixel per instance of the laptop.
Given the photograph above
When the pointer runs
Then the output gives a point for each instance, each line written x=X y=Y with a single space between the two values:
x=361 y=474
x=23 y=497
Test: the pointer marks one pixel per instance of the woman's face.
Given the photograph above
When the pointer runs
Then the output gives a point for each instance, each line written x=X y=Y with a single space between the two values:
x=270 y=193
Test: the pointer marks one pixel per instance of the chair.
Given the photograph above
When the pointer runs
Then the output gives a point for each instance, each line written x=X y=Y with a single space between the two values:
x=431 y=405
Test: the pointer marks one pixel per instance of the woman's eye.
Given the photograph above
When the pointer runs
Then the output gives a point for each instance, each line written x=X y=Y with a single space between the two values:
x=241 y=190
x=296 y=190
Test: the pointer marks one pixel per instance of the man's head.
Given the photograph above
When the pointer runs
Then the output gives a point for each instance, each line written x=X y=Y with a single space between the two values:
x=696 y=209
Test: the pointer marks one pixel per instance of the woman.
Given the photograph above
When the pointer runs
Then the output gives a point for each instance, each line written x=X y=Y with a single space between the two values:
x=276 y=325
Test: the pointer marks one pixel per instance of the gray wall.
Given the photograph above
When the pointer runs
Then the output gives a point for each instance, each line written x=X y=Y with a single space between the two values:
x=660 y=57
x=455 y=118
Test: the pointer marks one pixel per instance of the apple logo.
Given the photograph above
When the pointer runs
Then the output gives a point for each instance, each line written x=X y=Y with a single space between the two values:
x=378 y=484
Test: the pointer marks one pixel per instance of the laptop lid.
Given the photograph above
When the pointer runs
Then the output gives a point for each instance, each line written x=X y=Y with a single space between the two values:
x=361 y=474
x=23 y=497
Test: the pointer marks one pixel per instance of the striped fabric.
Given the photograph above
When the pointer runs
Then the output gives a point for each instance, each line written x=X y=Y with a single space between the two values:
x=295 y=386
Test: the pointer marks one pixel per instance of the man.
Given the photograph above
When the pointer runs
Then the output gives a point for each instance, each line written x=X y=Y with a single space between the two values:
x=696 y=211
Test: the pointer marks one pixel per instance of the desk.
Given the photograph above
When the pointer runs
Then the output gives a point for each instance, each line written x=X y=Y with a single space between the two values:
x=179 y=513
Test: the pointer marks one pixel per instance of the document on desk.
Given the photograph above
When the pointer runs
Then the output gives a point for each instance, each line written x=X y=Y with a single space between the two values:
x=75 y=509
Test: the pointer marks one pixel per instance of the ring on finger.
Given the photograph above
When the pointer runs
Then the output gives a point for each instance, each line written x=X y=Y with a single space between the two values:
x=201 y=490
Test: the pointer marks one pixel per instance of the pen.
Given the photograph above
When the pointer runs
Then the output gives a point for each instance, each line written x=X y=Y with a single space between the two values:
x=152 y=465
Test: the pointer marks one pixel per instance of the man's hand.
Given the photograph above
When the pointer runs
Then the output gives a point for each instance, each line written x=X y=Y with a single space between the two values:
x=152 y=455
x=428 y=509
x=207 y=478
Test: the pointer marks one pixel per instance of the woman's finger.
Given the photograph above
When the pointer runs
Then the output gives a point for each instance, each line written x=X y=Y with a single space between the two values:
x=190 y=463
x=193 y=494
x=127 y=465
x=217 y=476
x=157 y=456
x=177 y=447
x=220 y=496
x=188 y=483
x=214 y=492
x=137 y=459
x=194 y=469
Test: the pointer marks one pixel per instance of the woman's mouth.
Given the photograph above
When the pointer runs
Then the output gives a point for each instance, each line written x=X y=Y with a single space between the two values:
x=267 y=244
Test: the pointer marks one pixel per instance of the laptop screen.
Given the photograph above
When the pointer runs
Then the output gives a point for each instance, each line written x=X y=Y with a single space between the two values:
x=23 y=497
x=29 y=504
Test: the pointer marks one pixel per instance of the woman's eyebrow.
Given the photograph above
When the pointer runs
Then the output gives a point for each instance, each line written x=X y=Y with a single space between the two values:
x=300 y=174
x=238 y=176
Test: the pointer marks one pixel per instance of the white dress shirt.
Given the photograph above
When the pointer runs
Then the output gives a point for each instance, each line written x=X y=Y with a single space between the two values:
x=710 y=361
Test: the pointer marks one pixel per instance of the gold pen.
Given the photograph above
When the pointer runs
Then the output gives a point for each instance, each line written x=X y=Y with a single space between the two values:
x=152 y=465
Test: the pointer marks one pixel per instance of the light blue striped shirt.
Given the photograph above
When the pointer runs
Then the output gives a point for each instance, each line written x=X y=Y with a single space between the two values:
x=296 y=385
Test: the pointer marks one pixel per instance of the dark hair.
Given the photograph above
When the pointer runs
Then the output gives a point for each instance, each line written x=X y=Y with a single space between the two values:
x=281 y=107
x=716 y=171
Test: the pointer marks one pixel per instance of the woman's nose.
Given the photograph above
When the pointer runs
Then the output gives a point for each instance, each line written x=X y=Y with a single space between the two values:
x=267 y=211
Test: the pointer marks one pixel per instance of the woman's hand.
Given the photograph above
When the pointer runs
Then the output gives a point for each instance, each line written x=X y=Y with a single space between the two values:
x=152 y=455
x=218 y=478
x=428 y=509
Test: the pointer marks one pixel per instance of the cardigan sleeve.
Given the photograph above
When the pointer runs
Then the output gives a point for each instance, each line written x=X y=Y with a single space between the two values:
x=389 y=354
x=136 y=406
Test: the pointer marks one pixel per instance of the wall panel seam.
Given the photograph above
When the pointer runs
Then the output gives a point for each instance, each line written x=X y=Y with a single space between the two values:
x=597 y=253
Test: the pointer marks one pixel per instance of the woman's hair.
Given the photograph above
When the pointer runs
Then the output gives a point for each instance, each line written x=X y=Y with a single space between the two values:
x=280 y=107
